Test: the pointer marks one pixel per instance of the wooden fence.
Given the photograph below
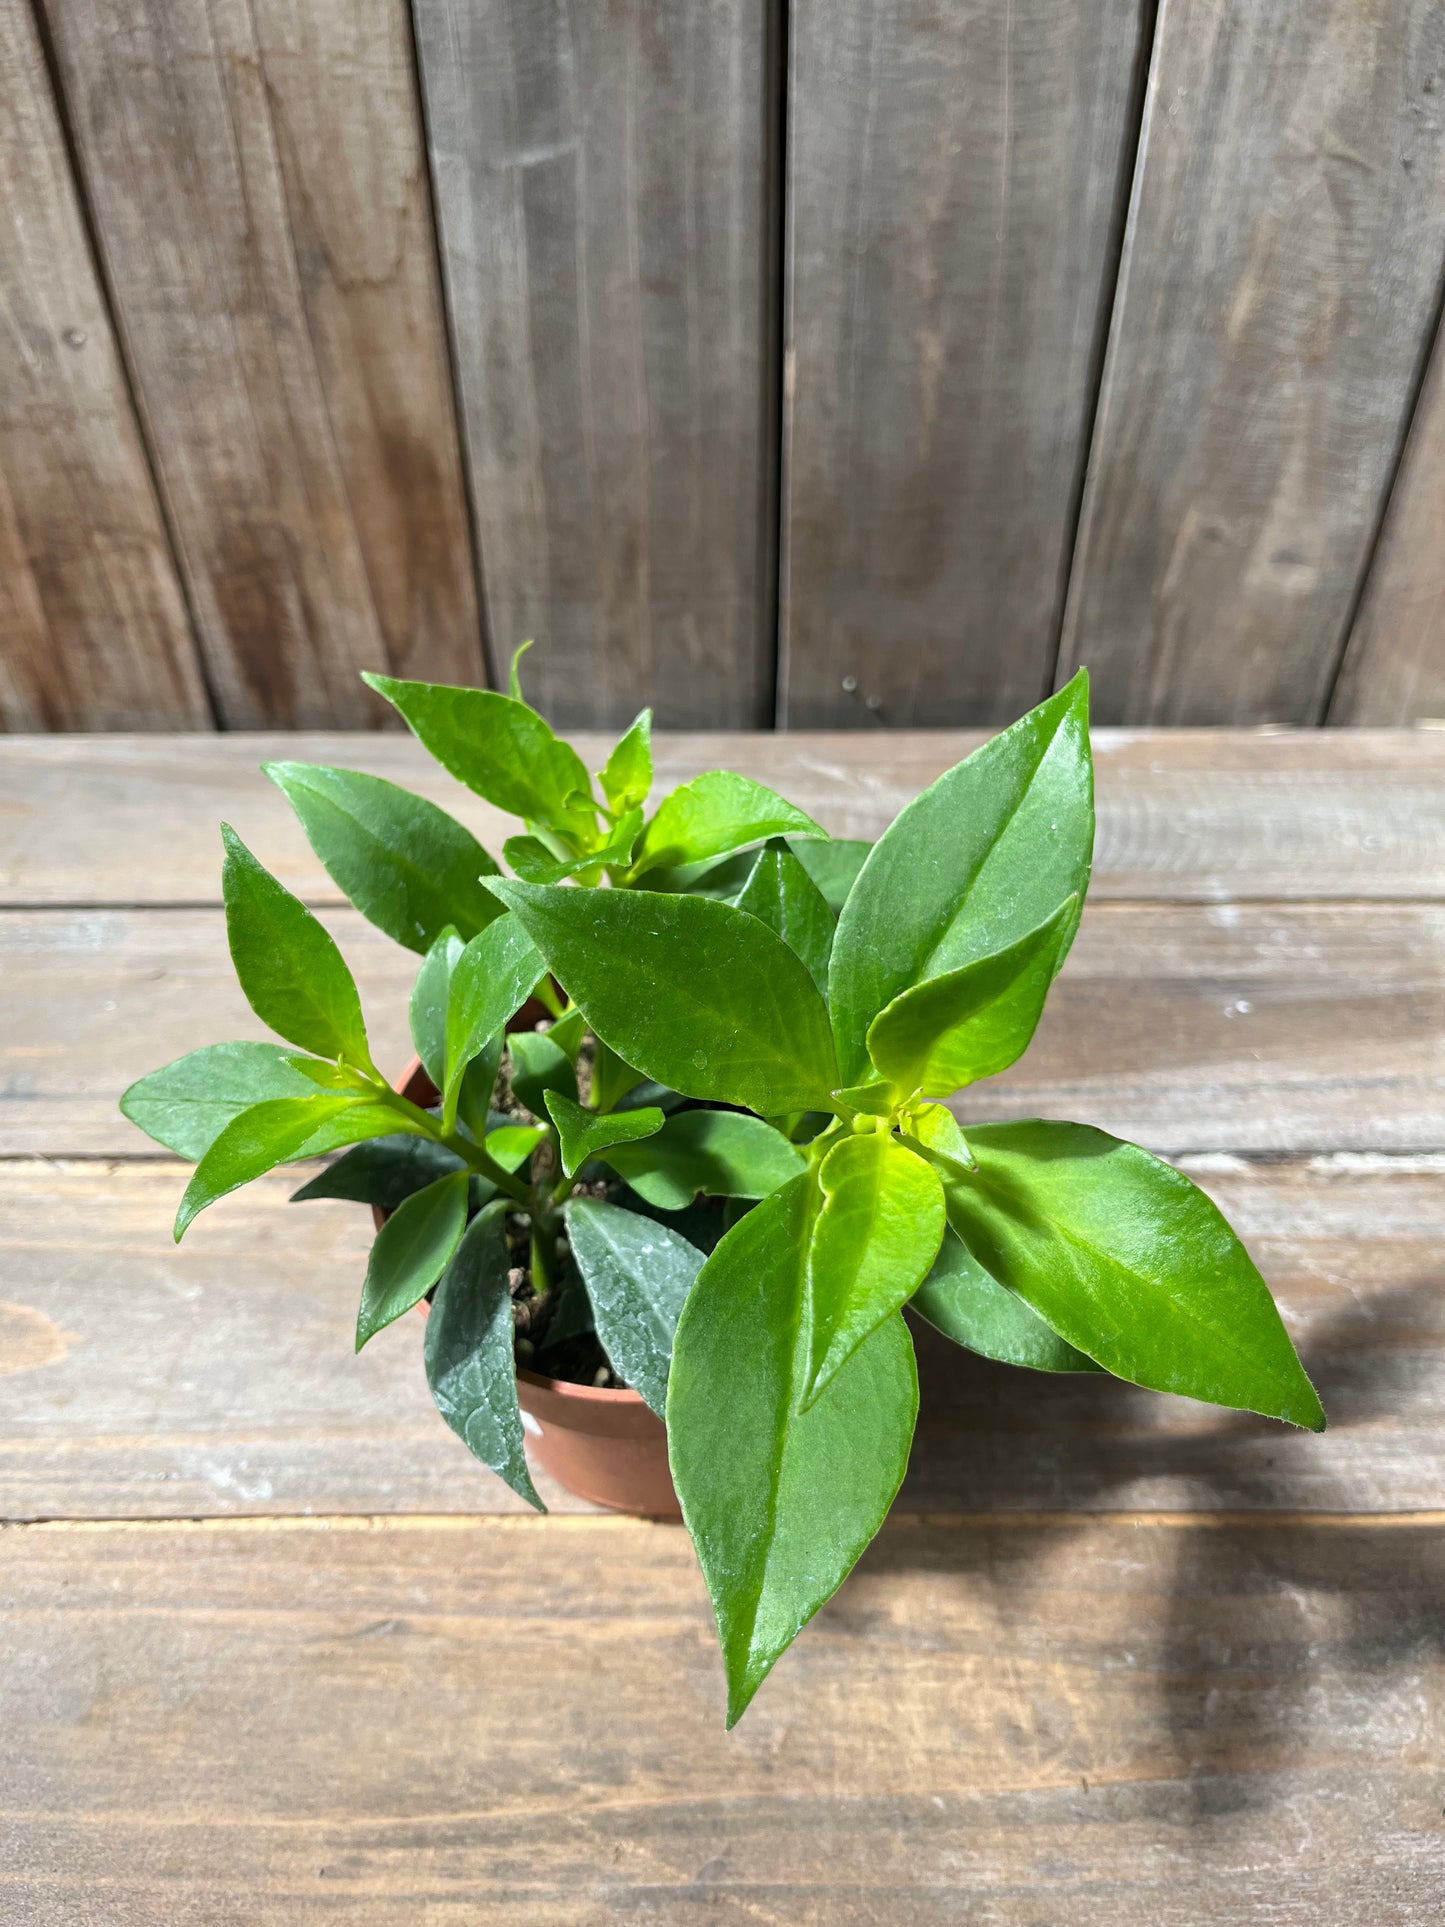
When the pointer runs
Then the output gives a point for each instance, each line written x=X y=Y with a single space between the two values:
x=854 y=361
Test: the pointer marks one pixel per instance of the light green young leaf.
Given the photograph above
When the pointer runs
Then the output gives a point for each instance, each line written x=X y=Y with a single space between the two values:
x=974 y=1310
x=583 y=1134
x=873 y=1243
x=973 y=864
x=568 y=1031
x=873 y=1100
x=972 y=1022
x=628 y=776
x=405 y=864
x=721 y=1153
x=186 y=1105
x=936 y=1128
x=514 y=680
x=714 y=814
x=510 y=1145
x=288 y=965
x=430 y=996
x=539 y=1065
x=833 y=866
x=274 y=1132
x=1128 y=1261
x=744 y=1025
x=386 y=1170
x=470 y=1364
x=410 y=1252
x=611 y=1078
x=779 y=1502
x=490 y=981
x=782 y=895
x=638 y=1274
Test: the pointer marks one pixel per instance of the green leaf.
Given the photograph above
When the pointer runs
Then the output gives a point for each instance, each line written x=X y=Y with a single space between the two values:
x=405 y=864
x=714 y=814
x=1127 y=1260
x=514 y=680
x=583 y=1134
x=490 y=981
x=288 y=965
x=410 y=1252
x=538 y=1066
x=510 y=1145
x=638 y=1273
x=936 y=1128
x=529 y=858
x=972 y=1022
x=969 y=867
x=430 y=995
x=385 y=1171
x=742 y=1021
x=721 y=1153
x=498 y=747
x=783 y=896
x=873 y=1100
x=833 y=866
x=275 y=1132
x=611 y=1078
x=568 y=1031
x=779 y=1502
x=974 y=1310
x=478 y=1086
x=186 y=1105
x=873 y=1242
x=470 y=1363
x=628 y=776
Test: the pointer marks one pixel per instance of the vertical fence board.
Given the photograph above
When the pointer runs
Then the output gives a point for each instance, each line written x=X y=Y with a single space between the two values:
x=600 y=177
x=955 y=175
x=260 y=191
x=93 y=630
x=1394 y=668
x=1280 y=275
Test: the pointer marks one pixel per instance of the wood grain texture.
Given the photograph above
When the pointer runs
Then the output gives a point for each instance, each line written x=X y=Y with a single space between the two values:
x=93 y=630
x=260 y=192
x=1040 y=1724
x=1280 y=277
x=1394 y=667
x=217 y=1378
x=1184 y=815
x=601 y=187
x=955 y=179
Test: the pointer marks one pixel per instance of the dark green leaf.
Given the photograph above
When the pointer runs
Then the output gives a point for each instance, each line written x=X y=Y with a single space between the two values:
x=742 y=1022
x=405 y=864
x=478 y=1086
x=583 y=1134
x=714 y=814
x=188 y=1104
x=972 y=1309
x=973 y=864
x=288 y=965
x=529 y=858
x=783 y=896
x=833 y=866
x=638 y=1274
x=721 y=1153
x=779 y=1502
x=470 y=1364
x=539 y=1065
x=410 y=1252
x=430 y=996
x=972 y=1022
x=490 y=982
x=275 y=1132
x=628 y=776
x=385 y=1171
x=1127 y=1260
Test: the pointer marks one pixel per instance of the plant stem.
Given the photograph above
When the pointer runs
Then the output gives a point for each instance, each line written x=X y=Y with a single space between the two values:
x=462 y=1147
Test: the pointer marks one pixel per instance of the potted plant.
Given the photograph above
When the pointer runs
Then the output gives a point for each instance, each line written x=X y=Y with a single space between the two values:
x=676 y=1140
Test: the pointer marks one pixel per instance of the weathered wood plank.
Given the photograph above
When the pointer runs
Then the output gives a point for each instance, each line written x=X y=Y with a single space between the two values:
x=93 y=630
x=1394 y=667
x=138 y=1379
x=601 y=178
x=261 y=197
x=1280 y=277
x=1023 y=1722
x=955 y=189
x=1183 y=814
x=1265 y=1028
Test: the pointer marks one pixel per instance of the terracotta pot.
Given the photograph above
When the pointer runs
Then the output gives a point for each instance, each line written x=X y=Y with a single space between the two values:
x=602 y=1443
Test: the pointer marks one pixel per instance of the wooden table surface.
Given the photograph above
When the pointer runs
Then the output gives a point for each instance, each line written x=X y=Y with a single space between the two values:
x=277 y=1651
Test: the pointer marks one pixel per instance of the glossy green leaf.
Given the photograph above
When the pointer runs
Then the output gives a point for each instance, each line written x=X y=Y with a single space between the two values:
x=779 y=1502
x=611 y=1078
x=1131 y=1263
x=275 y=1132
x=405 y=864
x=385 y=1171
x=873 y=1242
x=583 y=1134
x=498 y=747
x=627 y=779
x=514 y=669
x=288 y=965
x=638 y=1274
x=490 y=981
x=714 y=814
x=430 y=996
x=833 y=866
x=721 y=1153
x=966 y=1305
x=568 y=1031
x=539 y=1065
x=529 y=858
x=935 y=1128
x=782 y=895
x=972 y=1022
x=970 y=866
x=743 y=1022
x=186 y=1105
x=873 y=1100
x=478 y=1087
x=410 y=1252
x=510 y=1145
